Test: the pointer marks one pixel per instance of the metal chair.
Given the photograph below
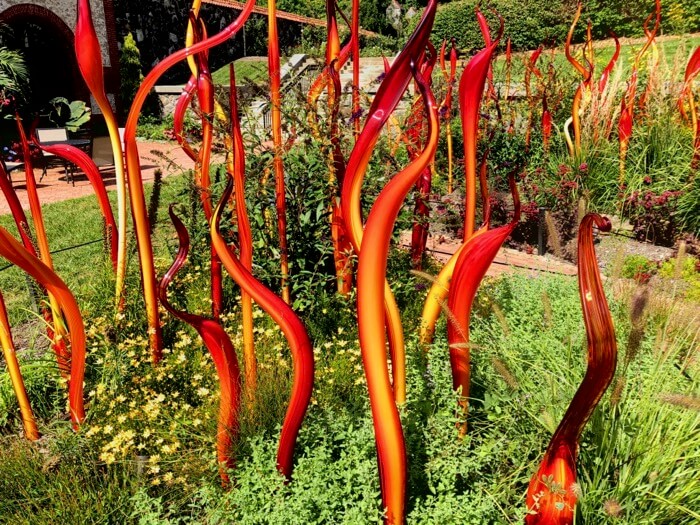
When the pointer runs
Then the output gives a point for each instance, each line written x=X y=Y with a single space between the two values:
x=11 y=166
x=49 y=159
x=102 y=154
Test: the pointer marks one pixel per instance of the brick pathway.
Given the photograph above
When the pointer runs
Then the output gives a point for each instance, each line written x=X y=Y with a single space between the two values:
x=55 y=188
x=507 y=260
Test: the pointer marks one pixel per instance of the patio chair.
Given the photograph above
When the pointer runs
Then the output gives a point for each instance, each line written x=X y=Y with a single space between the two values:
x=11 y=166
x=102 y=154
x=50 y=160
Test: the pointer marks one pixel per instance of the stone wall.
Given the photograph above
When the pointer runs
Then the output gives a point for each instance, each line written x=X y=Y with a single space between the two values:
x=66 y=10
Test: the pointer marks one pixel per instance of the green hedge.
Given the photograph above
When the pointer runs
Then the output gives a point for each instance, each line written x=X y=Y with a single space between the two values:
x=527 y=23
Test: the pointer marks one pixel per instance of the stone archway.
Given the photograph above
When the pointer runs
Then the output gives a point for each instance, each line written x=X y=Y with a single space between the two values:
x=47 y=44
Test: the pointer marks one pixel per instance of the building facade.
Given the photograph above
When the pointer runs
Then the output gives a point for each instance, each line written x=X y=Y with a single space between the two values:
x=43 y=31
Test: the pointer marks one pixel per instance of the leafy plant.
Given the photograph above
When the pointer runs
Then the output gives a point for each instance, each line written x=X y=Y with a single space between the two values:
x=71 y=115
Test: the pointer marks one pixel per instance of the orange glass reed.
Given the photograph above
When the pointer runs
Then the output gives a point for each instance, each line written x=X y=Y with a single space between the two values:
x=551 y=497
x=586 y=73
x=31 y=431
x=205 y=98
x=59 y=328
x=471 y=267
x=416 y=125
x=83 y=161
x=293 y=329
x=530 y=69
x=471 y=89
x=273 y=64
x=627 y=105
x=222 y=351
x=446 y=106
x=89 y=57
x=14 y=252
x=336 y=162
x=691 y=72
x=236 y=169
x=387 y=98
x=371 y=276
x=183 y=102
x=138 y=202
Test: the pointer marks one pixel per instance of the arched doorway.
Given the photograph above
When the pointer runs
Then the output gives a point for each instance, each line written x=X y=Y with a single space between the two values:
x=47 y=45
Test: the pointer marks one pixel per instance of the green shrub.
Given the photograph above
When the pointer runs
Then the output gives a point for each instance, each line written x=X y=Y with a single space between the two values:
x=636 y=265
x=527 y=26
x=131 y=78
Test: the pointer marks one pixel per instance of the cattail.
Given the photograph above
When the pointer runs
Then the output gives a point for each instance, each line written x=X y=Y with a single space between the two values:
x=548 y=420
x=507 y=376
x=618 y=263
x=501 y=316
x=616 y=395
x=683 y=401
x=546 y=309
x=636 y=335
x=640 y=302
x=423 y=275
x=582 y=209
x=680 y=259
x=612 y=508
x=453 y=319
x=553 y=235
x=634 y=342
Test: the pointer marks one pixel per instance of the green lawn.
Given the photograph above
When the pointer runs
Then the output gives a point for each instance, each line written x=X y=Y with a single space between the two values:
x=673 y=52
x=251 y=70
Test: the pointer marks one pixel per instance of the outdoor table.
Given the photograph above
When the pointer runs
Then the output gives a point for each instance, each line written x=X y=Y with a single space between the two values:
x=83 y=144
x=78 y=143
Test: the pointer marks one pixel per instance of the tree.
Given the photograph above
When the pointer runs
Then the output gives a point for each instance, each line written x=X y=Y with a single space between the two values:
x=131 y=78
x=14 y=76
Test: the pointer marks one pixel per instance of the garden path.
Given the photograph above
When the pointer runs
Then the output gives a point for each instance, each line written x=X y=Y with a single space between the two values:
x=168 y=157
x=508 y=260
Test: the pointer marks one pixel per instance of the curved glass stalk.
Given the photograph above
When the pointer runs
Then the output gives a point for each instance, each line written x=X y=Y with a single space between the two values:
x=547 y=122
x=85 y=163
x=25 y=234
x=59 y=328
x=627 y=105
x=222 y=351
x=293 y=329
x=583 y=86
x=446 y=106
x=14 y=252
x=471 y=88
x=471 y=267
x=371 y=276
x=416 y=129
x=387 y=98
x=236 y=169
x=17 y=211
x=89 y=57
x=550 y=496
x=183 y=102
x=138 y=202
x=605 y=76
x=31 y=431
x=273 y=61
x=691 y=71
